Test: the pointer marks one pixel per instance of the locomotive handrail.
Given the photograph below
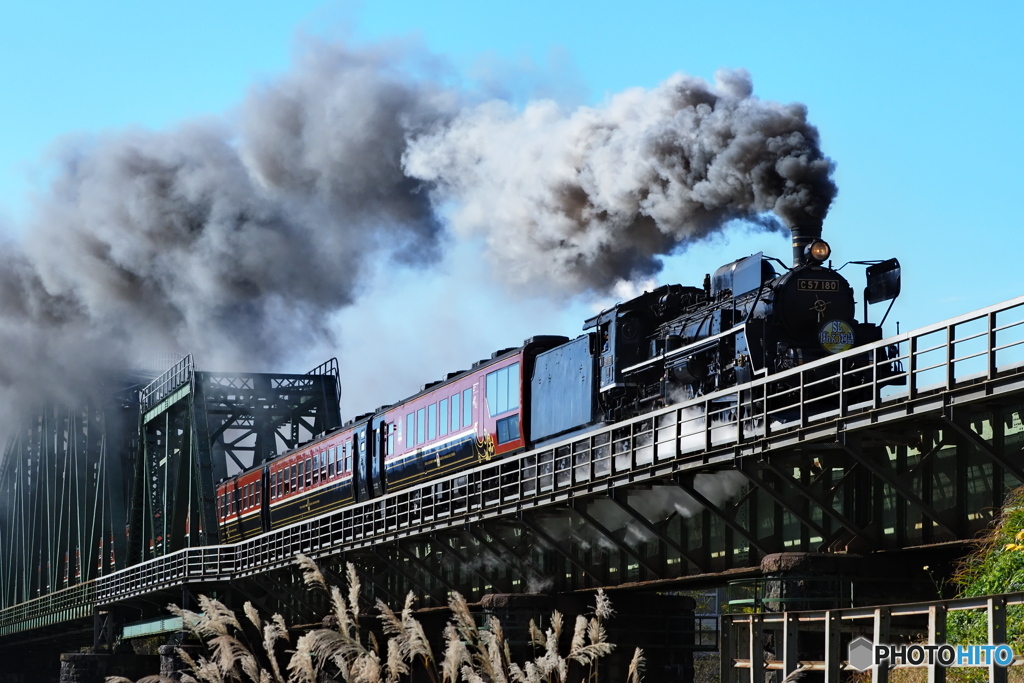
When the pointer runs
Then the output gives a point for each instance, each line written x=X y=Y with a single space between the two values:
x=689 y=348
x=915 y=372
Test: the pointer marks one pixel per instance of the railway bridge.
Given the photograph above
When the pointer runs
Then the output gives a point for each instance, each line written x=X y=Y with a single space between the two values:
x=835 y=475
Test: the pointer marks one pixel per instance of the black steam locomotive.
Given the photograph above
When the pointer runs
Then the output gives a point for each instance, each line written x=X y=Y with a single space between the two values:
x=676 y=342
x=662 y=347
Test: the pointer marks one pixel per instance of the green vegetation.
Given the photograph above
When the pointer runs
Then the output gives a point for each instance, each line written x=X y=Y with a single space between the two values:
x=995 y=565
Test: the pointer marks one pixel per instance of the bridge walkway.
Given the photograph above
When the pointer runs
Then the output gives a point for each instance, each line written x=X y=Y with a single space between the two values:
x=908 y=443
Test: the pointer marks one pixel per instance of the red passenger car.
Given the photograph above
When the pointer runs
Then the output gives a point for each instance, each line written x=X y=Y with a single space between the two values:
x=468 y=418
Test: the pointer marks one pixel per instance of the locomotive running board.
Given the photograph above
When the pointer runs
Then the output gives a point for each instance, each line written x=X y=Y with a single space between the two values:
x=705 y=343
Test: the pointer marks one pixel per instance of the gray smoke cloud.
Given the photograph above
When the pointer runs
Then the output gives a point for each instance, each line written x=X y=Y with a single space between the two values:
x=229 y=238
x=236 y=238
x=232 y=241
x=579 y=200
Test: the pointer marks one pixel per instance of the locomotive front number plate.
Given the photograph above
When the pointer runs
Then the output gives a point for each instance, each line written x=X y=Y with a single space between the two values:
x=817 y=285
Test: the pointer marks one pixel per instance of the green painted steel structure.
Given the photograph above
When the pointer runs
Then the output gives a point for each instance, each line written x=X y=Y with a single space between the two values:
x=197 y=427
x=89 y=491
x=690 y=494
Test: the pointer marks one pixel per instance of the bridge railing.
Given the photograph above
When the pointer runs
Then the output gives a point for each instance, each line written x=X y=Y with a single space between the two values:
x=911 y=373
x=191 y=565
x=753 y=644
x=64 y=605
x=176 y=376
x=862 y=382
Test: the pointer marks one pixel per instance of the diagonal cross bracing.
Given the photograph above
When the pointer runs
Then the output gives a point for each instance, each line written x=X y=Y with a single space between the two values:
x=870 y=491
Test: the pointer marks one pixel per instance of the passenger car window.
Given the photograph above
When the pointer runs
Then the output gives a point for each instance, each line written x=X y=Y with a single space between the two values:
x=503 y=390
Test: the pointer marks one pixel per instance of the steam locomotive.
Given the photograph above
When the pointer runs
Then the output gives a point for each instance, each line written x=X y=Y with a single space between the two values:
x=664 y=346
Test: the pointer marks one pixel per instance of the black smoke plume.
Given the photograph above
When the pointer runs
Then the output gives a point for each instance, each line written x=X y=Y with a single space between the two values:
x=236 y=238
x=582 y=199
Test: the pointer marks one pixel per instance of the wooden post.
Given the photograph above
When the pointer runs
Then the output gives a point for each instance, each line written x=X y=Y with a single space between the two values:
x=790 y=637
x=727 y=646
x=833 y=658
x=756 y=649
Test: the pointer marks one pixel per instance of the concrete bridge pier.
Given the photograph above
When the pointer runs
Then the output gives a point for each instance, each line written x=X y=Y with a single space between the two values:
x=171 y=663
x=89 y=667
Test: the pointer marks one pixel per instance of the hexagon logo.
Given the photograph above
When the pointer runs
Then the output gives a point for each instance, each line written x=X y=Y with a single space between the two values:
x=860 y=653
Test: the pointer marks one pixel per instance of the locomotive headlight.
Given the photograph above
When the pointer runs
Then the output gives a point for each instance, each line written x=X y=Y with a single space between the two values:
x=818 y=250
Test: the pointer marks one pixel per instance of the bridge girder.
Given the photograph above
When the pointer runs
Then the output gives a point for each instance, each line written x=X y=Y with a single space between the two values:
x=703 y=491
x=130 y=474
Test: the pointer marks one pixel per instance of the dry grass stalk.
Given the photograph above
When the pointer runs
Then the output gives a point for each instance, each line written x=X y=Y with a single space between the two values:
x=311 y=574
x=588 y=644
x=214 y=618
x=231 y=655
x=472 y=654
x=456 y=654
x=301 y=664
x=636 y=667
x=342 y=646
x=407 y=642
x=273 y=632
x=206 y=670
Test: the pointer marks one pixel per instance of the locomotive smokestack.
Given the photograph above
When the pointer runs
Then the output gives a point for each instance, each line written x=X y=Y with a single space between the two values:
x=802 y=236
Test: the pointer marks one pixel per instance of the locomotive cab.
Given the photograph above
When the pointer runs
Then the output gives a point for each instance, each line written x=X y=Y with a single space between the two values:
x=623 y=337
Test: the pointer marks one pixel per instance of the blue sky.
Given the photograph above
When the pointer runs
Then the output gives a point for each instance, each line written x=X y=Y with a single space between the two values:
x=918 y=104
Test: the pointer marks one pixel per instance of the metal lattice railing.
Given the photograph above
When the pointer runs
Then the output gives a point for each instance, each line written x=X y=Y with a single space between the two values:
x=76 y=602
x=789 y=406
x=973 y=356
x=177 y=376
x=745 y=657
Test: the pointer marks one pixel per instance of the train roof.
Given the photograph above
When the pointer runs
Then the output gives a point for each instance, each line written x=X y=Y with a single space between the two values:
x=450 y=378
x=477 y=366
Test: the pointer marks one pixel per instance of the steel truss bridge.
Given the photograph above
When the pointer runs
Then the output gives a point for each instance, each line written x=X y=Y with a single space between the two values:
x=834 y=457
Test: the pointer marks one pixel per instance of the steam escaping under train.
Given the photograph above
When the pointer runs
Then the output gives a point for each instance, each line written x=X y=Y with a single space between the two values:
x=746 y=321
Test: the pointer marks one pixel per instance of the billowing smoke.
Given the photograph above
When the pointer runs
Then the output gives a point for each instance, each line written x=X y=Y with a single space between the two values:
x=236 y=238
x=232 y=241
x=229 y=238
x=583 y=199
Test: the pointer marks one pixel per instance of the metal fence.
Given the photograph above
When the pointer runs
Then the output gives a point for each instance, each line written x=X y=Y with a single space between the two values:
x=178 y=375
x=754 y=645
x=960 y=360
x=64 y=605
